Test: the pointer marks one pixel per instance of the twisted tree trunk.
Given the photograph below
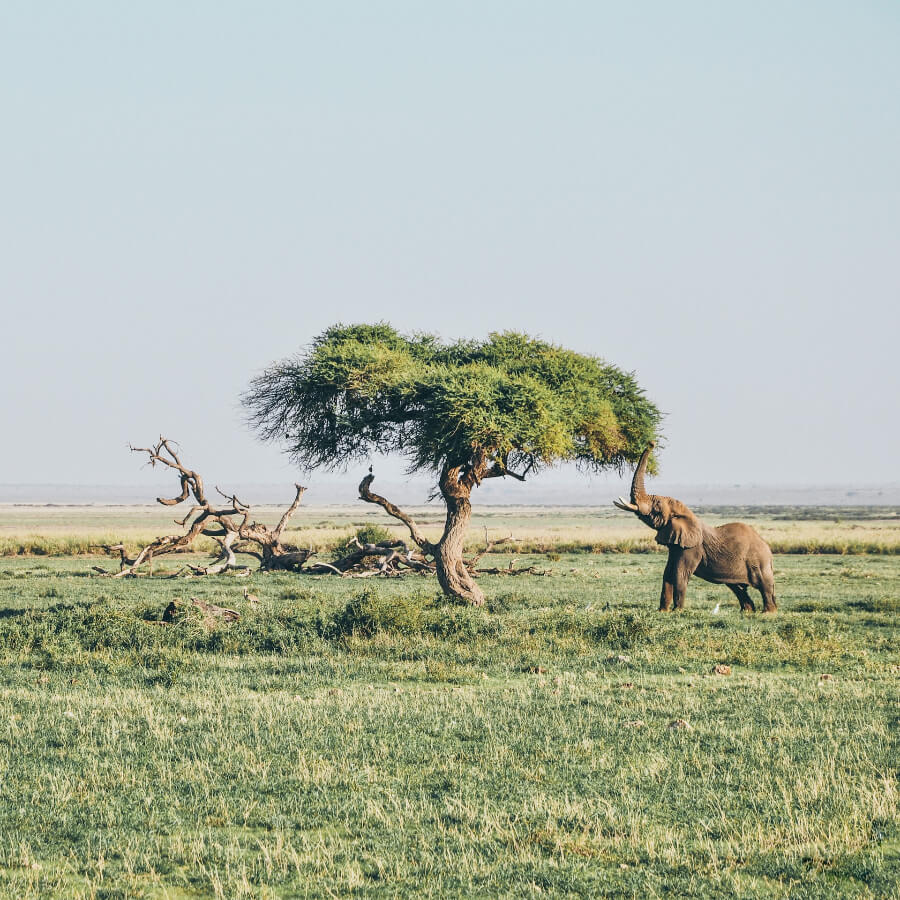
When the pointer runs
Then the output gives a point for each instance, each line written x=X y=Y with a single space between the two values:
x=454 y=577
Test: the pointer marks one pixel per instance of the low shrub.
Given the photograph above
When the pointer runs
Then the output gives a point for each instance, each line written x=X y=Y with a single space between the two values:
x=373 y=534
x=624 y=631
x=113 y=627
x=373 y=611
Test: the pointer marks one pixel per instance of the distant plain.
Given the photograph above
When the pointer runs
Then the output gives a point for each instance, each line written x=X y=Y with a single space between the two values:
x=53 y=529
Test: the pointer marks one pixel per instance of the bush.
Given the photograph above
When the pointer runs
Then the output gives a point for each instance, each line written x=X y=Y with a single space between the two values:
x=116 y=628
x=370 y=612
x=373 y=534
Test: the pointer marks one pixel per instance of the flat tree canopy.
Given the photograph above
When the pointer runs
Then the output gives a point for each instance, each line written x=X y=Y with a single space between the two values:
x=467 y=410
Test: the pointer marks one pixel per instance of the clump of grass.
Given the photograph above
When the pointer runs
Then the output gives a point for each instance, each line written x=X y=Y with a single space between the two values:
x=624 y=632
x=119 y=627
x=441 y=671
x=373 y=611
x=377 y=611
x=877 y=604
x=293 y=594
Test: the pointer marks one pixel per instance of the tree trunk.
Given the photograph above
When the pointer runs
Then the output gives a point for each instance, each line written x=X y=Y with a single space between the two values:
x=453 y=576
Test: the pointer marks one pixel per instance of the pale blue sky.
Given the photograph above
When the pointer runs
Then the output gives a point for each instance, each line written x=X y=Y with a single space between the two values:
x=707 y=193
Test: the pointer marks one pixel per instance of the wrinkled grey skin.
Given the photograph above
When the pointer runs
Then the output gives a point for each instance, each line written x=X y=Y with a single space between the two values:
x=733 y=554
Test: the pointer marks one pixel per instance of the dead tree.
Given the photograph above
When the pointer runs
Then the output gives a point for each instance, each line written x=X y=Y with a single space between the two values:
x=230 y=526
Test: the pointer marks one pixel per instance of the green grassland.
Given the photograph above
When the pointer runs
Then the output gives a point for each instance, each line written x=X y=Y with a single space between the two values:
x=365 y=738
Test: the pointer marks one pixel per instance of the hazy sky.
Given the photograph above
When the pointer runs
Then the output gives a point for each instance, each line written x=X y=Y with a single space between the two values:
x=707 y=193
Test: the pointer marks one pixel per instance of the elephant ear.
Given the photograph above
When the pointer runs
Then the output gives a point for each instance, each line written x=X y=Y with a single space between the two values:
x=683 y=529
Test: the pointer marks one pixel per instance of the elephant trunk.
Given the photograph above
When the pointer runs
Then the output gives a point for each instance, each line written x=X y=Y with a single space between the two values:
x=639 y=495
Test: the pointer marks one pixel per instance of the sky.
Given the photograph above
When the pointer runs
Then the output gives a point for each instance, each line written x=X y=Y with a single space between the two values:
x=707 y=194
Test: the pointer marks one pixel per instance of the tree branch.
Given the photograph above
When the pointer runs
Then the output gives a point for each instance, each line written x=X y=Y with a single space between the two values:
x=366 y=494
x=488 y=547
x=282 y=524
x=241 y=507
x=500 y=470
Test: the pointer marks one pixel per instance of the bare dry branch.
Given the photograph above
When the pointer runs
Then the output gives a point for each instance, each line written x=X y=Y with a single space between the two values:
x=282 y=524
x=488 y=547
x=236 y=504
x=366 y=494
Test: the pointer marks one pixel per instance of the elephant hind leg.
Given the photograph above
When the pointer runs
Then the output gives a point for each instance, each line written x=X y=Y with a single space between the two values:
x=764 y=582
x=767 y=589
x=740 y=591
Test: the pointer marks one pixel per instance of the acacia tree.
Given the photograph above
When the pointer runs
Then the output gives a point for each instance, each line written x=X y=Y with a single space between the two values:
x=465 y=411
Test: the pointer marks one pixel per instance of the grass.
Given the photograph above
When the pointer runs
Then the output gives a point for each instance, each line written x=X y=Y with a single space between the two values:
x=367 y=739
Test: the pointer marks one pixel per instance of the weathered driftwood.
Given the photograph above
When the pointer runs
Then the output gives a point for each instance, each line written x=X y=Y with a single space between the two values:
x=512 y=570
x=230 y=526
x=366 y=560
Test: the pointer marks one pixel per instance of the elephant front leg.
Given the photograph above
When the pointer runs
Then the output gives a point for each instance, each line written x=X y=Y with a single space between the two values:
x=670 y=587
x=667 y=595
x=679 y=569
x=680 y=590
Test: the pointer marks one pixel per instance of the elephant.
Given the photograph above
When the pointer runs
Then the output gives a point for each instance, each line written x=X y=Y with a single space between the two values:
x=733 y=554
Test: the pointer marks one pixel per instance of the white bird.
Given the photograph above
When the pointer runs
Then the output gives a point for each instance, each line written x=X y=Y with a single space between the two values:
x=715 y=612
x=250 y=598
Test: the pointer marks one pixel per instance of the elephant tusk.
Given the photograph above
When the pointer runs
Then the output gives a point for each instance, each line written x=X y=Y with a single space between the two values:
x=622 y=503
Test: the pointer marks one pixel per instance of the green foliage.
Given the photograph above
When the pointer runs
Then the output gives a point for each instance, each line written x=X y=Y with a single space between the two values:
x=417 y=615
x=521 y=401
x=373 y=534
